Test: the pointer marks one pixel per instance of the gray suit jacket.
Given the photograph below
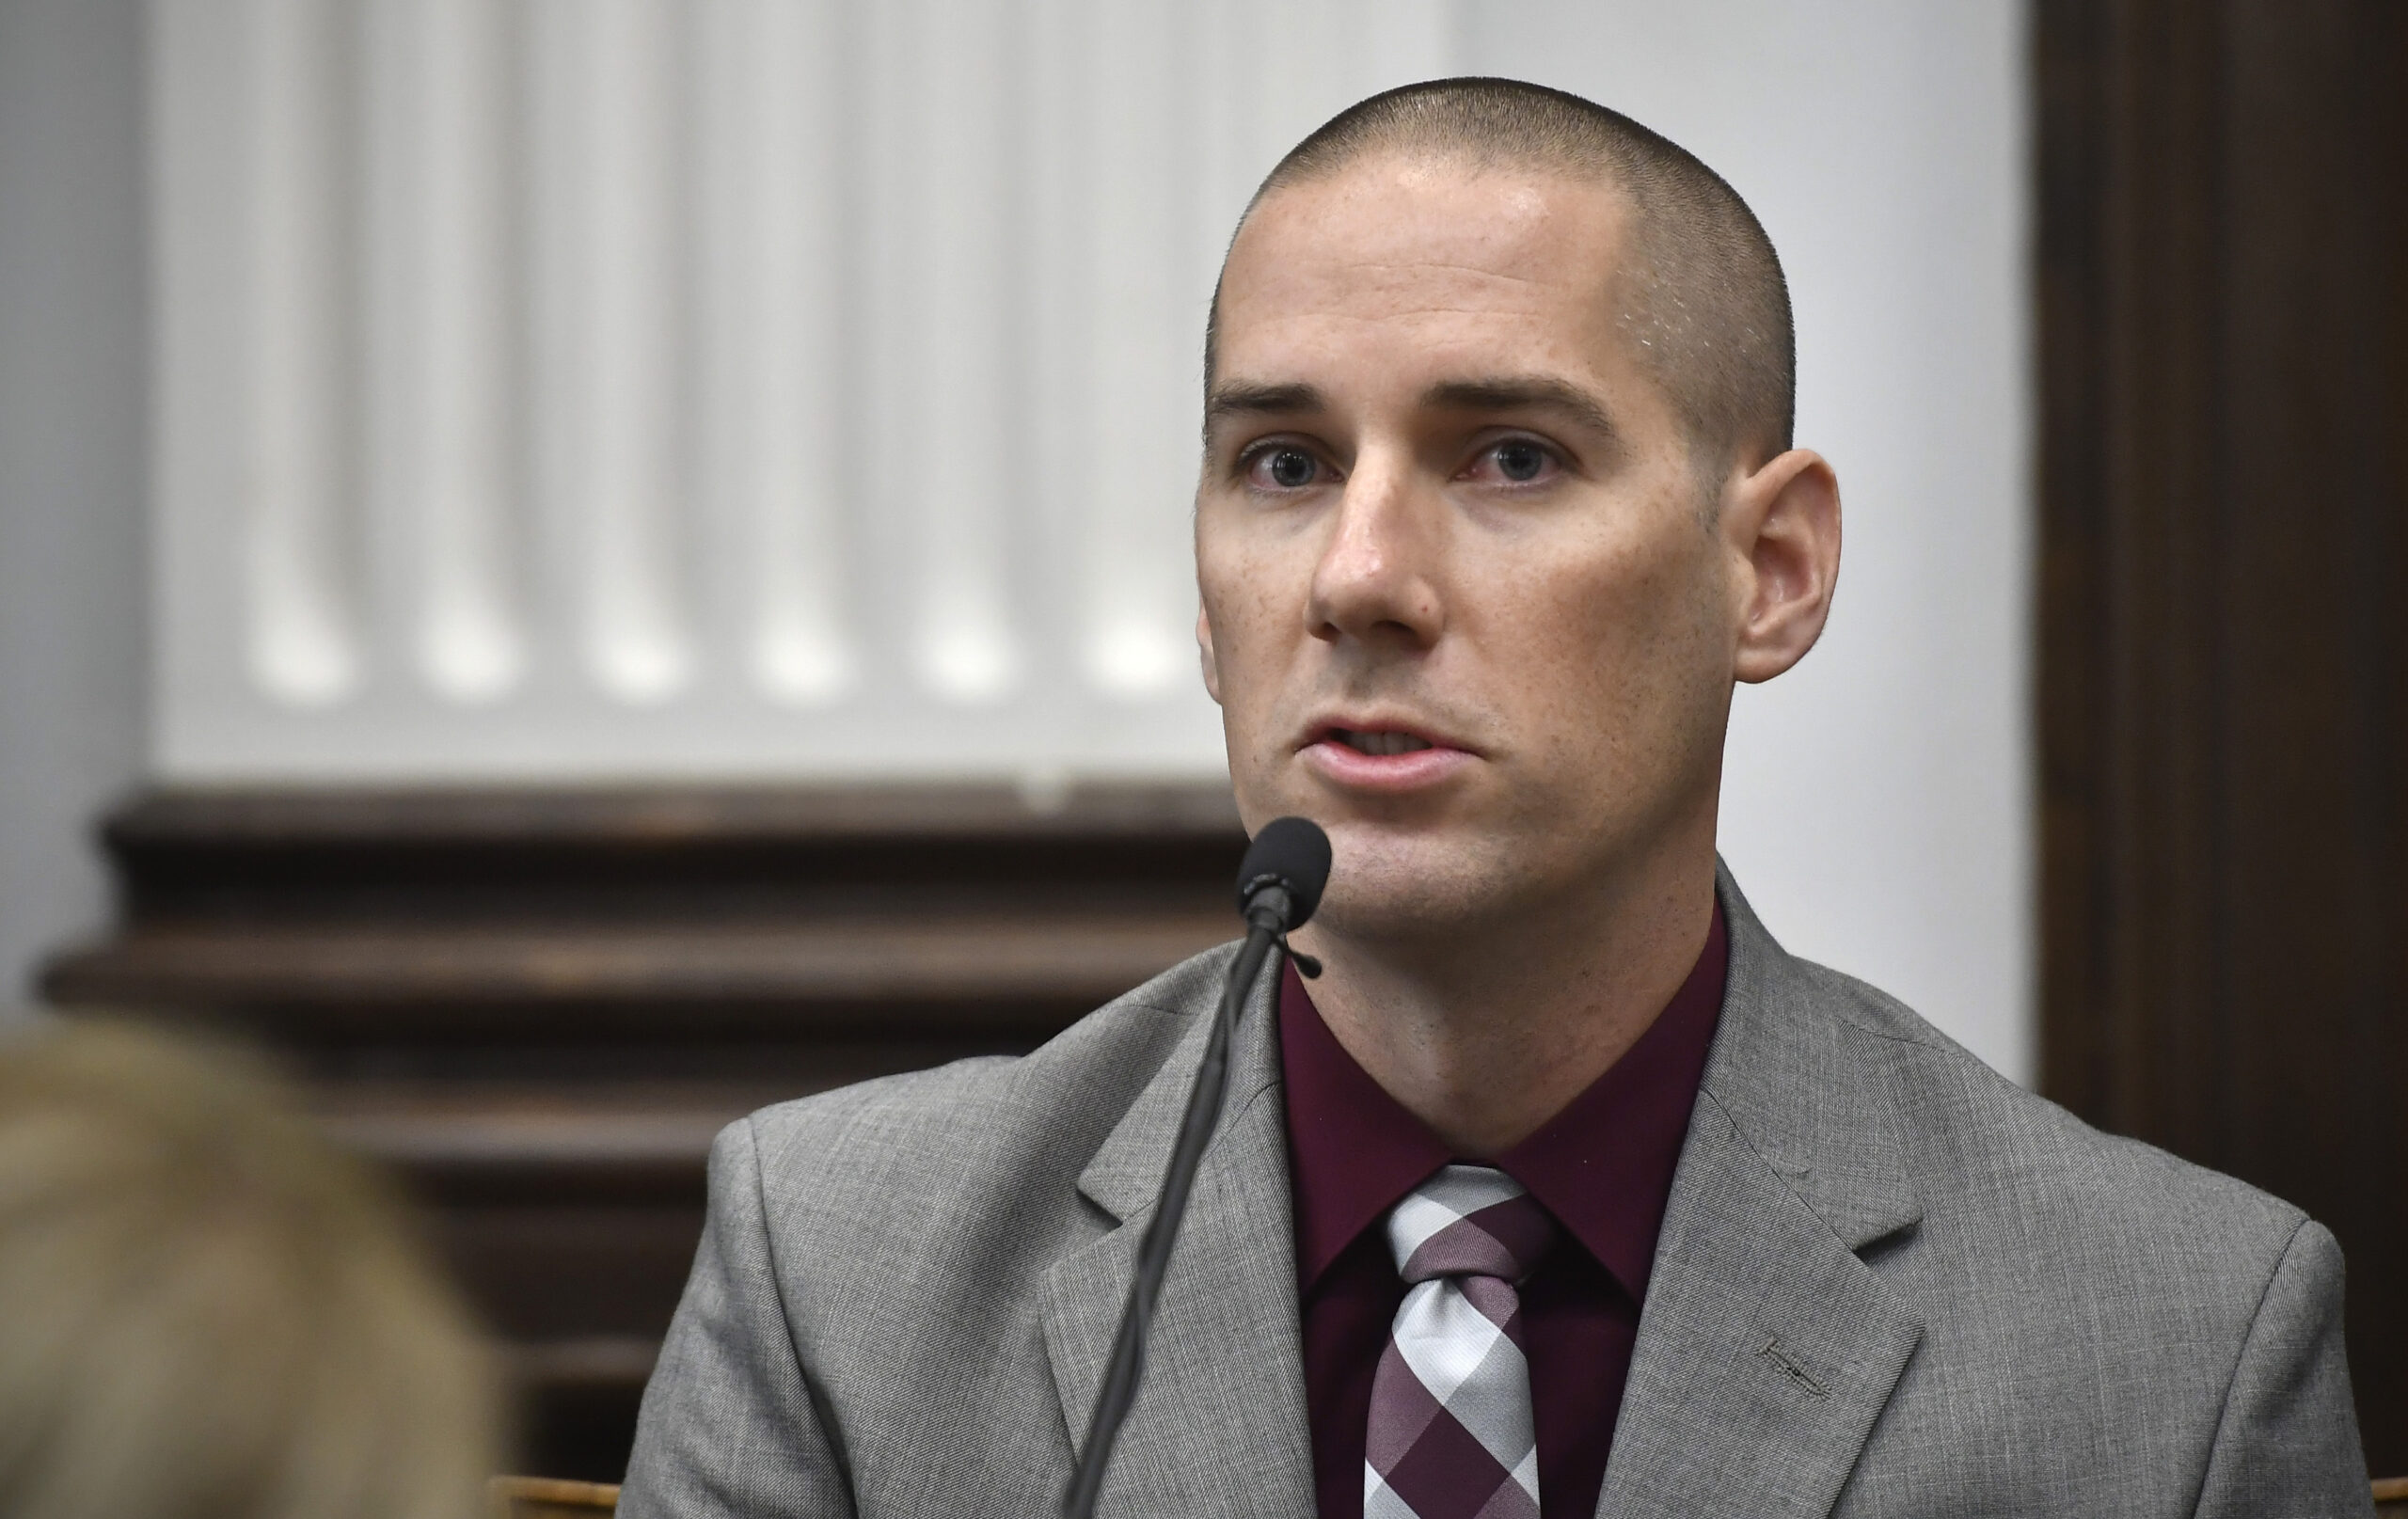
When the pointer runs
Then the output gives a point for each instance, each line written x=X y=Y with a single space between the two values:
x=1888 y=1283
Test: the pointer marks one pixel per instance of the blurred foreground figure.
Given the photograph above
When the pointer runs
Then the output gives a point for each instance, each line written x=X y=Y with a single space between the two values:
x=208 y=1313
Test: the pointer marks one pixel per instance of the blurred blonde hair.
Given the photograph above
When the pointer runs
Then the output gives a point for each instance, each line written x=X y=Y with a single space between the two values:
x=206 y=1312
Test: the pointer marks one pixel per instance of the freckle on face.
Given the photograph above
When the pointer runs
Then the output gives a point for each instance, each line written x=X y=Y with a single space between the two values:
x=1570 y=641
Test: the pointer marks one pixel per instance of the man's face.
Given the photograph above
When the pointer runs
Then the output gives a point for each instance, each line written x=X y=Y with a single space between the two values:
x=1459 y=603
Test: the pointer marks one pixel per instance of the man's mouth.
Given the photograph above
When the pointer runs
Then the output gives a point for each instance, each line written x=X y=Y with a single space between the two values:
x=1393 y=762
x=1378 y=743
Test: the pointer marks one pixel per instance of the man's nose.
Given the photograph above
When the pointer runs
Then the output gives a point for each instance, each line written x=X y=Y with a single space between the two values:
x=1377 y=581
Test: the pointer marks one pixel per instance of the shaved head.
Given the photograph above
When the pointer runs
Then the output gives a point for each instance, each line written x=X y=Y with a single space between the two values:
x=1699 y=289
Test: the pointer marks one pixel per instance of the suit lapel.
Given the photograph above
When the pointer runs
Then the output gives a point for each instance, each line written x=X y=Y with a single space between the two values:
x=1224 y=1372
x=1766 y=1347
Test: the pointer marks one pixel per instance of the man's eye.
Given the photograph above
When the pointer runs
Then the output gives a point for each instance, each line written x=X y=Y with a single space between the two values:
x=1520 y=461
x=1285 y=468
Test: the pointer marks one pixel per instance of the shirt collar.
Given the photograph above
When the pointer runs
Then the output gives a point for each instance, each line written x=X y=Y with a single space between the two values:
x=1603 y=1166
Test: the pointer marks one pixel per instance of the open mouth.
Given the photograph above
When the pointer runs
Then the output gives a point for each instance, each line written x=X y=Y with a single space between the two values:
x=1378 y=743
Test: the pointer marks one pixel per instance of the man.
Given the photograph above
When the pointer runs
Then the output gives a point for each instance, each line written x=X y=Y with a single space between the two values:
x=1563 y=1189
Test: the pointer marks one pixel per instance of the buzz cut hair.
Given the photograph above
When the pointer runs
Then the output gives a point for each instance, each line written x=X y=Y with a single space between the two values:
x=1701 y=297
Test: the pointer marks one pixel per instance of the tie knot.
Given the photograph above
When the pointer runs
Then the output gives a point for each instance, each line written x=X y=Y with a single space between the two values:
x=1470 y=1221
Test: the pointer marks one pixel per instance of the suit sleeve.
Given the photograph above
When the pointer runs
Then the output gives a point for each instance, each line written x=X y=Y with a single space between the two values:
x=2288 y=1443
x=730 y=1427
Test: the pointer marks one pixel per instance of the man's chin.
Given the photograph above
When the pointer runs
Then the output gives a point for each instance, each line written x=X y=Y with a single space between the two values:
x=1387 y=884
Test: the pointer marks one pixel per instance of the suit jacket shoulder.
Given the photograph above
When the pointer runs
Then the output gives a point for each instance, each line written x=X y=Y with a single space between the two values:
x=2041 y=1175
x=2104 y=1314
x=934 y=1153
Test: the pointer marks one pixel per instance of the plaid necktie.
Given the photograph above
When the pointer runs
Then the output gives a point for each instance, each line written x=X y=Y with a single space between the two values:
x=1450 y=1435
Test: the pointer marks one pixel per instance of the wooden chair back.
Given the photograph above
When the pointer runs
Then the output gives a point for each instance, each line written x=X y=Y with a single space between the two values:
x=2391 y=1497
x=548 y=1497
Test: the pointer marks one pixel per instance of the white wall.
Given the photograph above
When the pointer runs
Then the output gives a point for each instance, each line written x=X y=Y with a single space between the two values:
x=71 y=627
x=1878 y=801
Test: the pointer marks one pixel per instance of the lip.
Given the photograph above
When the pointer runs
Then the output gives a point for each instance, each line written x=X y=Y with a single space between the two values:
x=1417 y=770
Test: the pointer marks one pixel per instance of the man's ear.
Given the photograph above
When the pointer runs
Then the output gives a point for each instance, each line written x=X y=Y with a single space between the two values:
x=1782 y=525
x=1204 y=651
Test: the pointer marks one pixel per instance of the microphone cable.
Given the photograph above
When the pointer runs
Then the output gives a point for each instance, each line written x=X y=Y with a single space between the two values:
x=1278 y=886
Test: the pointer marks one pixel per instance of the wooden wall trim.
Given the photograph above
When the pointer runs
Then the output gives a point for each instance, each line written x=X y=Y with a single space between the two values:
x=538 y=1007
x=2222 y=284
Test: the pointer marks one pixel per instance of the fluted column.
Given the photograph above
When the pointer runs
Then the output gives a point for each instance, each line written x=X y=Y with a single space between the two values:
x=1136 y=587
x=442 y=480
x=624 y=97
x=770 y=167
x=298 y=524
x=942 y=281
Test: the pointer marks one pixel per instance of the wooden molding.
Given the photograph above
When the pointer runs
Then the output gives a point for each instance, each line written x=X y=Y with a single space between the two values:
x=539 y=1006
x=965 y=912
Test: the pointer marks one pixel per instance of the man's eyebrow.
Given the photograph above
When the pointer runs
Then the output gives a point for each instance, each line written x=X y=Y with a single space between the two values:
x=1520 y=393
x=1261 y=400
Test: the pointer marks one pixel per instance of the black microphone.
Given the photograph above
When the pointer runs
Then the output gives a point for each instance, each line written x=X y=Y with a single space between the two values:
x=1278 y=886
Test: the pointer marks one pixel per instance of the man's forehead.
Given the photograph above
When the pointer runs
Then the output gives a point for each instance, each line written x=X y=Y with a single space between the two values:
x=1471 y=267
x=1392 y=224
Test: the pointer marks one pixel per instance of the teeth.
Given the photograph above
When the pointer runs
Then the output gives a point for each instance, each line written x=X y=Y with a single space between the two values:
x=1383 y=743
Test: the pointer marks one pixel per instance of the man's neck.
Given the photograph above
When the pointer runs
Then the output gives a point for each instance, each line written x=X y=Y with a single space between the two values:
x=1487 y=1035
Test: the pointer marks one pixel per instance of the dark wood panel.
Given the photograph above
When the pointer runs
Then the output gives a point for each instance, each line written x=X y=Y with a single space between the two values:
x=538 y=1007
x=1005 y=977
x=2224 y=667
x=665 y=855
x=574 y=1272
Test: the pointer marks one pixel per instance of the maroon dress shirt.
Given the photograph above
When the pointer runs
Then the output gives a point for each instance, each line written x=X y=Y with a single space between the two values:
x=1602 y=1168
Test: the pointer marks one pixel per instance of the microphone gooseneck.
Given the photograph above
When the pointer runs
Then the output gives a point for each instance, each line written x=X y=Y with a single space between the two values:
x=1278 y=886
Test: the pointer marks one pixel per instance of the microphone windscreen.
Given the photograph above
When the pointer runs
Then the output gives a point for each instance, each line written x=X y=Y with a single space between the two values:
x=1291 y=854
